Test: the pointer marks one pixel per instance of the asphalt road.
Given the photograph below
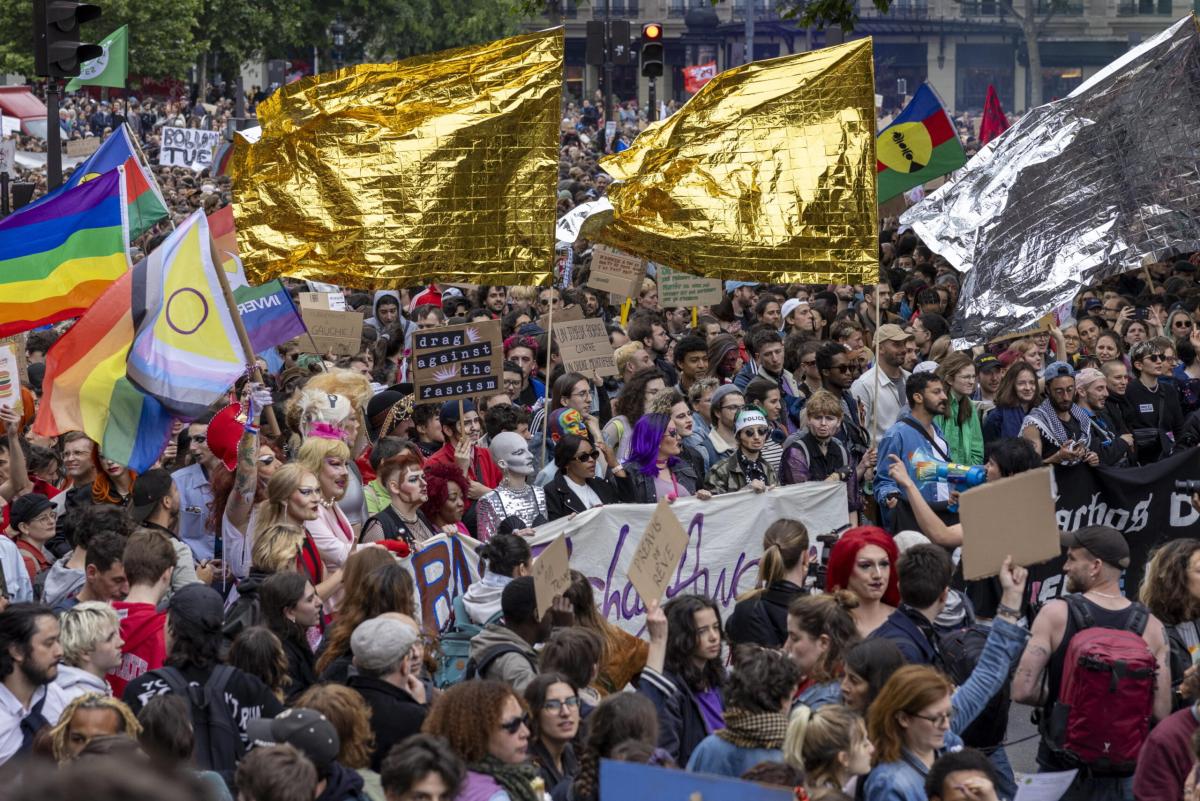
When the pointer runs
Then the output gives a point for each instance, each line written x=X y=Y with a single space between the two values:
x=1022 y=755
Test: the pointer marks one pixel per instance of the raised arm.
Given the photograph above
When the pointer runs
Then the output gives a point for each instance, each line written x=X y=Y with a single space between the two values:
x=18 y=471
x=245 y=479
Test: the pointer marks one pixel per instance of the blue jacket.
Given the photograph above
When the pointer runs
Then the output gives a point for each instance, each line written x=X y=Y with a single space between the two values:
x=819 y=695
x=904 y=780
x=681 y=725
x=906 y=442
x=912 y=642
x=721 y=758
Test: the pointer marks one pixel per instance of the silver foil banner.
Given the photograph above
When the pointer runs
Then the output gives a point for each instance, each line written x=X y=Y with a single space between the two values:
x=1090 y=186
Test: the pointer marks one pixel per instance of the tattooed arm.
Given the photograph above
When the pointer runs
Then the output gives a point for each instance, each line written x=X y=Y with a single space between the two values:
x=245 y=479
x=1028 y=686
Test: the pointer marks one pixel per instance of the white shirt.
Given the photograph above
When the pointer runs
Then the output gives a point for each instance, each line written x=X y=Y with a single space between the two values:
x=586 y=495
x=12 y=713
x=892 y=401
x=16 y=578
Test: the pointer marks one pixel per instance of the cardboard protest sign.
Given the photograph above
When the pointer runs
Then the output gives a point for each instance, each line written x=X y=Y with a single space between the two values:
x=585 y=348
x=615 y=272
x=337 y=332
x=457 y=361
x=551 y=575
x=563 y=314
x=188 y=147
x=1043 y=324
x=622 y=781
x=333 y=301
x=658 y=553
x=10 y=378
x=83 y=147
x=676 y=288
x=1011 y=517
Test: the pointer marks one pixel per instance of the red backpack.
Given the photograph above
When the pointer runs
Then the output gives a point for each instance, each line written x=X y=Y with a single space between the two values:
x=1102 y=715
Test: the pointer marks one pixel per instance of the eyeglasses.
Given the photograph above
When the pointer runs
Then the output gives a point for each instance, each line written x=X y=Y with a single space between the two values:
x=590 y=456
x=583 y=393
x=513 y=726
x=45 y=517
x=937 y=720
x=754 y=432
x=308 y=492
x=199 y=438
x=553 y=704
x=733 y=407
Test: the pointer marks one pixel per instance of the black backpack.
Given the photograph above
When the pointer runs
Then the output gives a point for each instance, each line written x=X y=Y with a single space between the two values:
x=476 y=668
x=219 y=744
x=960 y=650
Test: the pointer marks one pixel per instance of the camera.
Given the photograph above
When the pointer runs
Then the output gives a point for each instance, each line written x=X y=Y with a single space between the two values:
x=1189 y=485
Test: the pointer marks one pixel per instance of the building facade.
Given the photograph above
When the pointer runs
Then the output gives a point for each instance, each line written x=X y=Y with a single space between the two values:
x=959 y=47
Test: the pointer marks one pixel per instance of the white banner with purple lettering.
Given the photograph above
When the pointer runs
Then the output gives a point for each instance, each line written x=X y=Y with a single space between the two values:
x=725 y=542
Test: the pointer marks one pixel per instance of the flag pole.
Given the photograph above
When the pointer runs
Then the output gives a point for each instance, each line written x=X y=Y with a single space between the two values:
x=150 y=172
x=546 y=386
x=875 y=402
x=243 y=337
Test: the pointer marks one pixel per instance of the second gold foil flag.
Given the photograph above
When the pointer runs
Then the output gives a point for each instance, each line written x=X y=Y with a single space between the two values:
x=767 y=174
x=441 y=167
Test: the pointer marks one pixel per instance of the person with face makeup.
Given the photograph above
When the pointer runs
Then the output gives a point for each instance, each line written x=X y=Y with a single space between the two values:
x=515 y=496
x=402 y=519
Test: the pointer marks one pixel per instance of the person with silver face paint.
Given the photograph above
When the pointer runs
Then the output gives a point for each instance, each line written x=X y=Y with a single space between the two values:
x=515 y=496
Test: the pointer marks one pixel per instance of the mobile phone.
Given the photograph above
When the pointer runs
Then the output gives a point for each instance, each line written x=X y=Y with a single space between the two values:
x=1141 y=313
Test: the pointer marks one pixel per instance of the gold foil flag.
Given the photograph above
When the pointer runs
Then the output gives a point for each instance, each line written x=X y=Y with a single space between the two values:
x=441 y=167
x=767 y=174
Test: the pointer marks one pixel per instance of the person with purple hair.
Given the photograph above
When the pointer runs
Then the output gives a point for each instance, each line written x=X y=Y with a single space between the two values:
x=654 y=469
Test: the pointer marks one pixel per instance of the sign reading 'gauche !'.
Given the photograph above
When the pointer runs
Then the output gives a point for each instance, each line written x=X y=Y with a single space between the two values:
x=458 y=361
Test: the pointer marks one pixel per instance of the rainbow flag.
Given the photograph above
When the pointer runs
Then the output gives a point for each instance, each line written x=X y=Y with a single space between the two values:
x=146 y=204
x=918 y=146
x=269 y=315
x=224 y=234
x=58 y=258
x=182 y=319
x=86 y=388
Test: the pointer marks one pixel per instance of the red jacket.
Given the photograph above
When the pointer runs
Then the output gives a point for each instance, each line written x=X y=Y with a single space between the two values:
x=482 y=468
x=143 y=629
x=1166 y=757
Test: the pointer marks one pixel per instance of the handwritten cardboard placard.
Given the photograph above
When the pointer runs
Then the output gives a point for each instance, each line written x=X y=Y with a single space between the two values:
x=658 y=553
x=83 y=147
x=551 y=575
x=336 y=332
x=564 y=314
x=1013 y=516
x=676 y=288
x=457 y=361
x=585 y=348
x=188 y=147
x=333 y=301
x=616 y=273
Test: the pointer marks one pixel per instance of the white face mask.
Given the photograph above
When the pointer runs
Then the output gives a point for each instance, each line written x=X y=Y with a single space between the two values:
x=511 y=452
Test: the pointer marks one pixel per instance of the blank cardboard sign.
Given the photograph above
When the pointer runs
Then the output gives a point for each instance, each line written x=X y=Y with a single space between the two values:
x=1010 y=517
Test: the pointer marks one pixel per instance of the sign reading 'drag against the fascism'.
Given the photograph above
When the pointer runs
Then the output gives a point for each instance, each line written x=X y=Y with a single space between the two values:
x=188 y=147
x=721 y=560
x=458 y=361
x=1140 y=502
x=676 y=288
x=616 y=273
x=585 y=348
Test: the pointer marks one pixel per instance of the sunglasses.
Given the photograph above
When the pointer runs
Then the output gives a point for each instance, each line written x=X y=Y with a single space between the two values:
x=1156 y=357
x=590 y=456
x=513 y=726
x=754 y=432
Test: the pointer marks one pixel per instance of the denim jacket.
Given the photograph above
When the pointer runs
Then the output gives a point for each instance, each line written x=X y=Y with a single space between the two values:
x=904 y=780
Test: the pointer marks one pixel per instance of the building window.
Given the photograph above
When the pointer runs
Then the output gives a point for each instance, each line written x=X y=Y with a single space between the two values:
x=1058 y=82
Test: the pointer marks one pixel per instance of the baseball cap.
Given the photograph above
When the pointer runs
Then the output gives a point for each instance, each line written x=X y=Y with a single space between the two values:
x=790 y=305
x=225 y=431
x=1058 y=370
x=1103 y=542
x=1088 y=376
x=749 y=417
x=987 y=362
x=199 y=605
x=1092 y=303
x=27 y=507
x=449 y=413
x=890 y=332
x=148 y=491
x=732 y=286
x=305 y=729
x=380 y=642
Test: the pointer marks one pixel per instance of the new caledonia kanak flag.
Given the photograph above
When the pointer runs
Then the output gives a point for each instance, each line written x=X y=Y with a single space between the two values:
x=918 y=146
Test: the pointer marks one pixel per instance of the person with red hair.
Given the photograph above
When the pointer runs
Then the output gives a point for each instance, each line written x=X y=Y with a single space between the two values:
x=447 y=489
x=864 y=562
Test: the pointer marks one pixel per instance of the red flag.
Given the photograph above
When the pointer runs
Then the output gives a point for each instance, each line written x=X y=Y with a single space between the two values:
x=696 y=77
x=994 y=122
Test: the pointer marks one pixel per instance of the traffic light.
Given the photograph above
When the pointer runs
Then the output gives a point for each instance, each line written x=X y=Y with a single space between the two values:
x=56 y=46
x=652 y=50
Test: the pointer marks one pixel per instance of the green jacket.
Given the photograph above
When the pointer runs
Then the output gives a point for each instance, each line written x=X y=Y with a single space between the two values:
x=965 y=441
x=727 y=476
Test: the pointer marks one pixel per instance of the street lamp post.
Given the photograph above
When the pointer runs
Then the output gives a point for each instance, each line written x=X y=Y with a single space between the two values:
x=339 y=41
